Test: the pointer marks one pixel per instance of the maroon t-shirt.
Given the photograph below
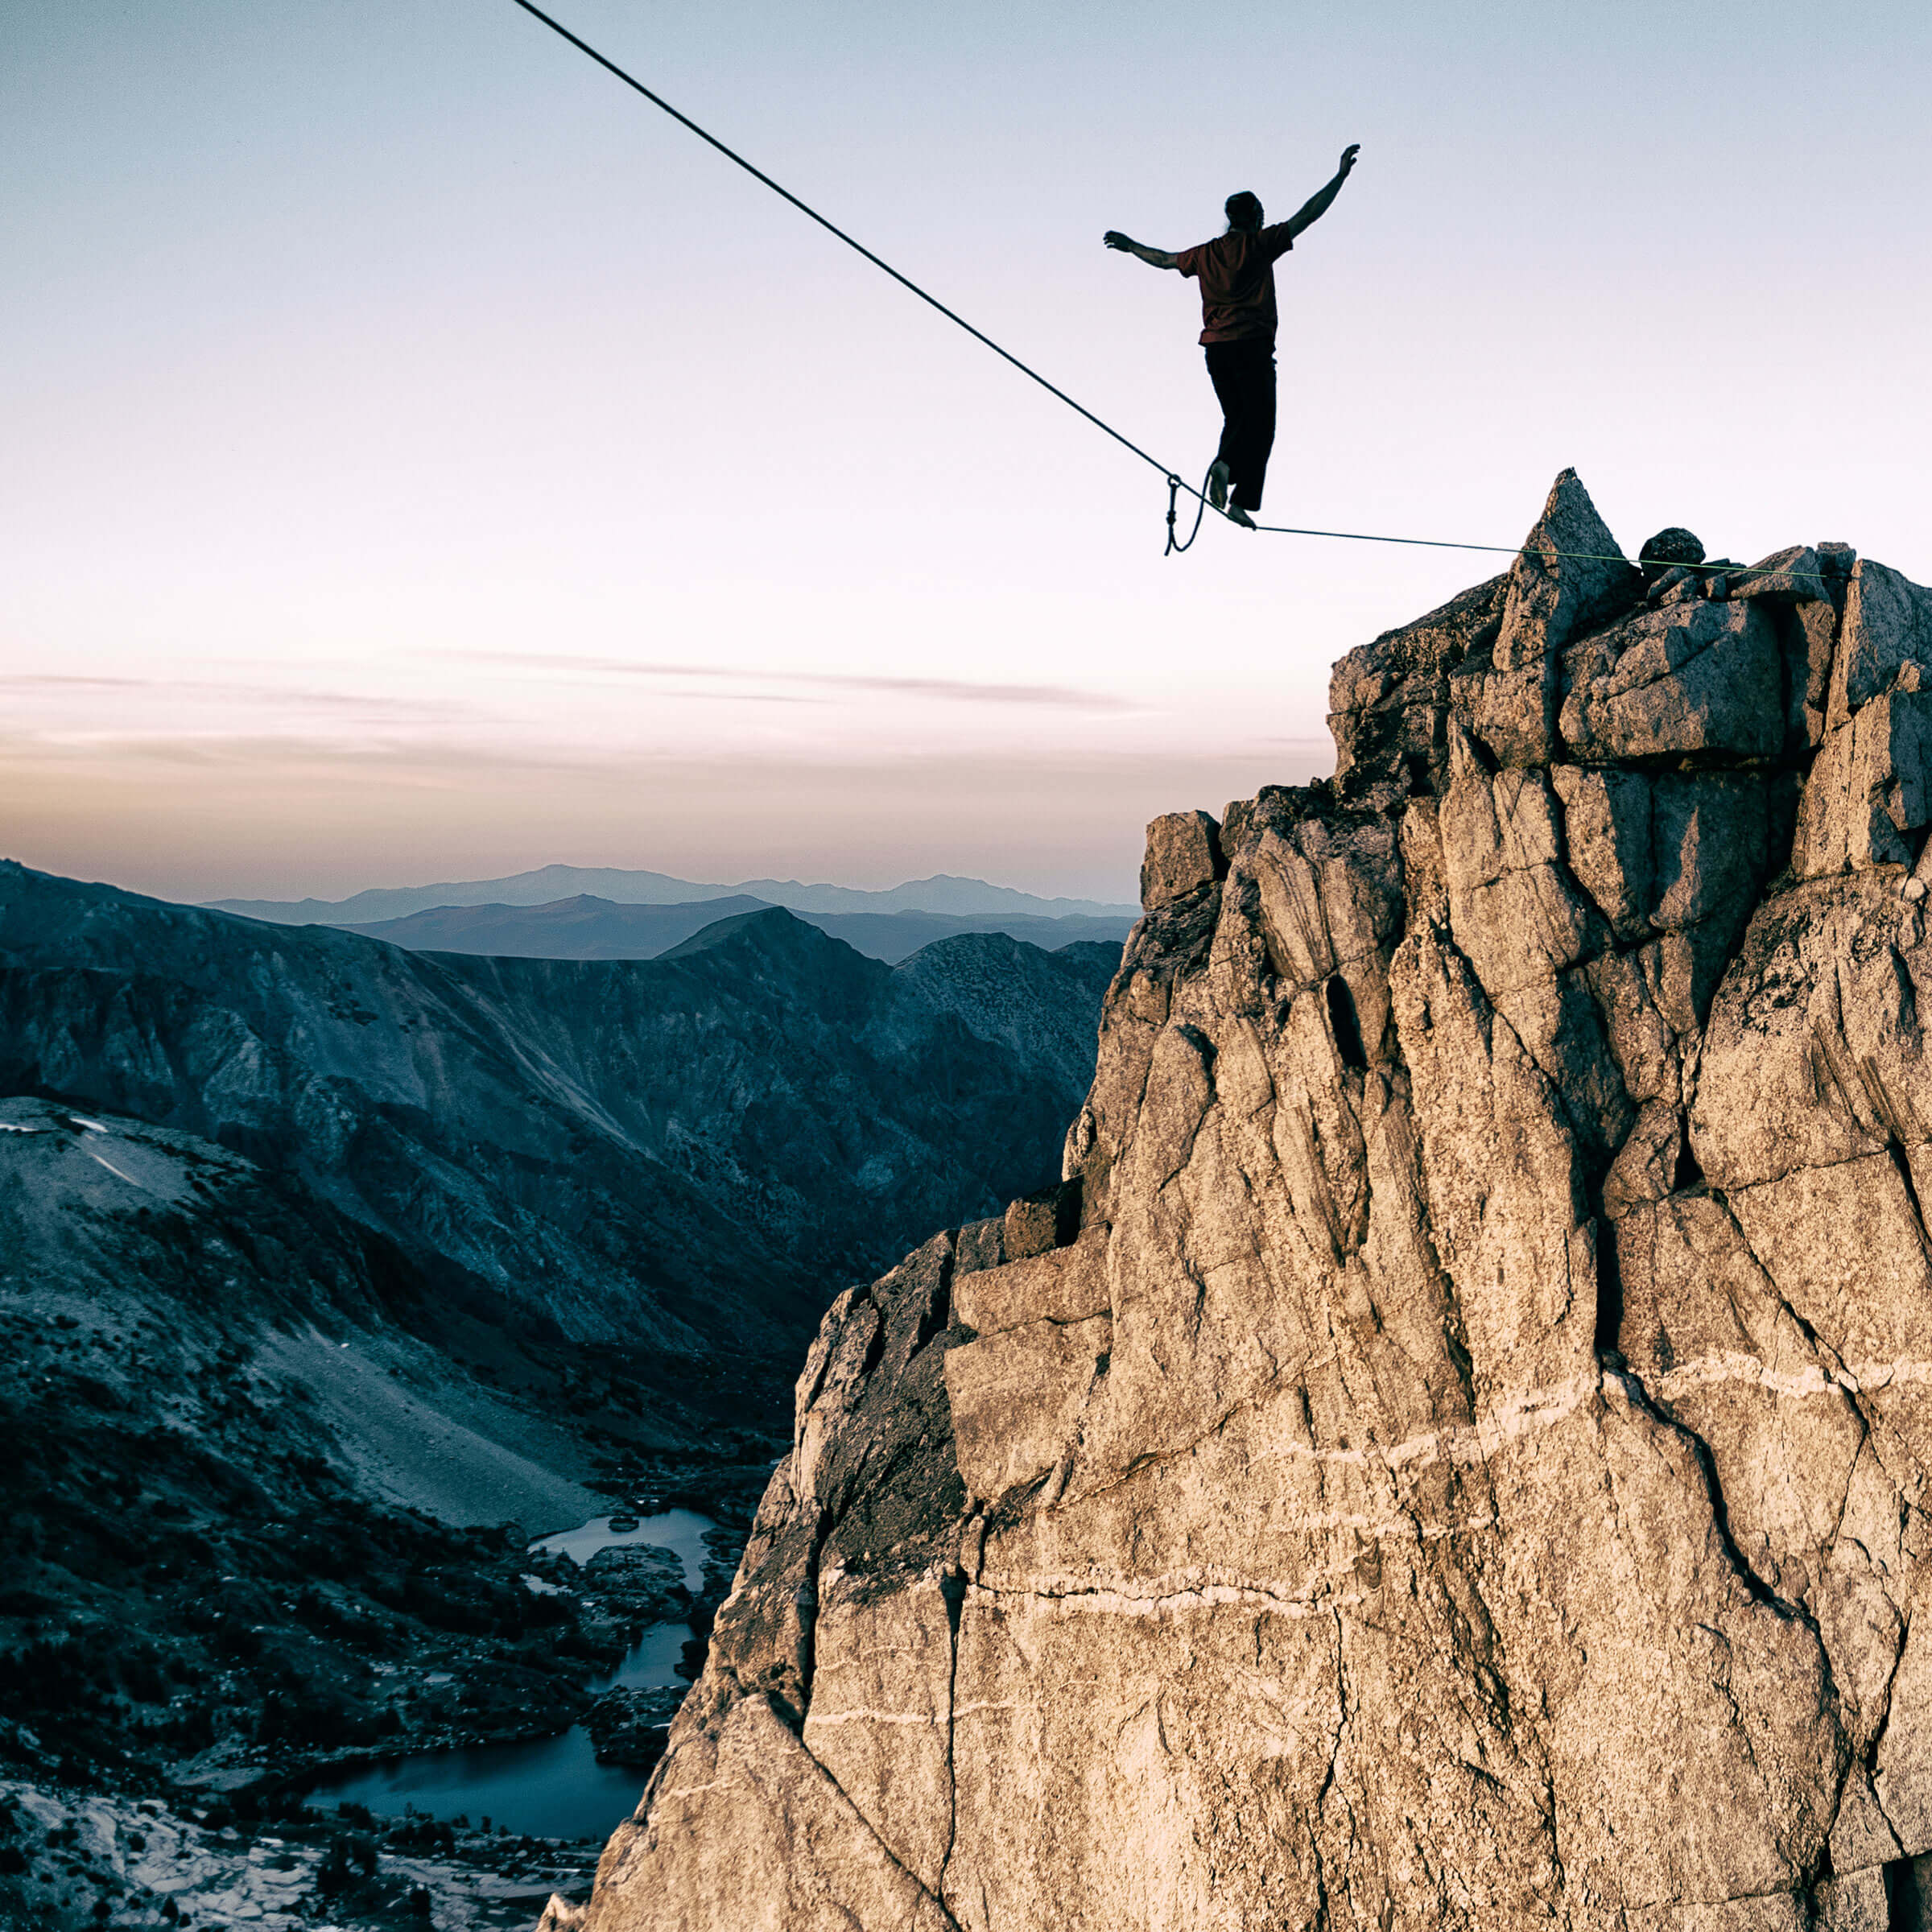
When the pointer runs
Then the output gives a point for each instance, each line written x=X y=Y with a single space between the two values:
x=1236 y=274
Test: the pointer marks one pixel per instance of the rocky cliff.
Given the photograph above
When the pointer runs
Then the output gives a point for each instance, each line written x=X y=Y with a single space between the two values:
x=1462 y=1464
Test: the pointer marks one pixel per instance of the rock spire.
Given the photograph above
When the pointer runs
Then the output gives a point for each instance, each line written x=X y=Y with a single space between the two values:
x=1464 y=1462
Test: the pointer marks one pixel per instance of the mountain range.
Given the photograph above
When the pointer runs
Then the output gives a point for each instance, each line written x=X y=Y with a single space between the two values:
x=688 y=1153
x=586 y=927
x=944 y=893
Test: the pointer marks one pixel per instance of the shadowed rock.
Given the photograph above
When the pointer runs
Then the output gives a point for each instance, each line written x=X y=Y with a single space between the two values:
x=629 y=1727
x=1674 y=548
x=640 y=1582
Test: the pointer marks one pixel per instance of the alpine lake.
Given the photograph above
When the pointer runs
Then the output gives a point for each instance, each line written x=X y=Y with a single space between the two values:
x=551 y=1787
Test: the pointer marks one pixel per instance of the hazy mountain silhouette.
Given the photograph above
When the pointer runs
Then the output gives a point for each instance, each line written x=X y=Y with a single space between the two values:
x=586 y=927
x=942 y=893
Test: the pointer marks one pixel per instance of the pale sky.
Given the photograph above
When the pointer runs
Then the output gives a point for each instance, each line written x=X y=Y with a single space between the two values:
x=421 y=459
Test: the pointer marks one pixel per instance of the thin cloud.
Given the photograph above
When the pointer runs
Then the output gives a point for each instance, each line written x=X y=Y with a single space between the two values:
x=947 y=689
x=741 y=697
x=32 y=681
x=986 y=772
x=347 y=702
x=1060 y=696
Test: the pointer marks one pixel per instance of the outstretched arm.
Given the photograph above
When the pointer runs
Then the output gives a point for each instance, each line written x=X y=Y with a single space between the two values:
x=1318 y=204
x=1155 y=258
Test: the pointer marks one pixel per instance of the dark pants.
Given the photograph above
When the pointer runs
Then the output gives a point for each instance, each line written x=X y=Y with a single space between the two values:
x=1243 y=375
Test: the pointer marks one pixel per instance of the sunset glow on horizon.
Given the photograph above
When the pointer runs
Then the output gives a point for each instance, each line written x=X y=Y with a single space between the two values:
x=426 y=460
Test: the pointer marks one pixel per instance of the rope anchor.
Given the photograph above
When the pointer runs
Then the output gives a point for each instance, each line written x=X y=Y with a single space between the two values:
x=1174 y=487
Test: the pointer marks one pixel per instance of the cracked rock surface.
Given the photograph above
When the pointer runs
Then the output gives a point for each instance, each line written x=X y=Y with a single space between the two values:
x=1463 y=1468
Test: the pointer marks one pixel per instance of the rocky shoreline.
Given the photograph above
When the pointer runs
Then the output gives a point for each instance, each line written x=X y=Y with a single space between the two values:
x=70 y=1857
x=229 y=1840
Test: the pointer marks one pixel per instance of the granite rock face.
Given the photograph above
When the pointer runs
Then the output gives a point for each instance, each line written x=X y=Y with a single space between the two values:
x=1465 y=1468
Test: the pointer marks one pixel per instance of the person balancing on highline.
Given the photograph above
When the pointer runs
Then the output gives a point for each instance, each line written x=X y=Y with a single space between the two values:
x=1236 y=274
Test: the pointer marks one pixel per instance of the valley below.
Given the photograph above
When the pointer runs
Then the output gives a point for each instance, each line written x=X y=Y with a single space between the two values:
x=268 y=1578
x=399 y=1349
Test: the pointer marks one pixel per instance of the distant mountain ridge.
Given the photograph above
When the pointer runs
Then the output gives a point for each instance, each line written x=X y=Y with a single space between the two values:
x=943 y=893
x=587 y=927
x=686 y=1154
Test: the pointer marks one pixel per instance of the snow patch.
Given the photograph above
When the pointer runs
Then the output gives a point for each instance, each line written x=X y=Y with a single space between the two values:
x=116 y=1172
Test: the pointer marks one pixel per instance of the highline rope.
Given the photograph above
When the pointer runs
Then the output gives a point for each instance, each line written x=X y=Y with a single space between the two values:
x=1174 y=484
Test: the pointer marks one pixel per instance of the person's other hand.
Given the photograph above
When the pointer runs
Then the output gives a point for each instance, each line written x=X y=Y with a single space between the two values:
x=1115 y=239
x=1349 y=155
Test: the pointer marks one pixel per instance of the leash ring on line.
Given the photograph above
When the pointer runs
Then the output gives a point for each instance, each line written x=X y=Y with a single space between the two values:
x=1174 y=487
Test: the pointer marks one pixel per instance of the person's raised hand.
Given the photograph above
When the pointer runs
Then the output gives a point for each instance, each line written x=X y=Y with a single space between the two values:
x=1115 y=239
x=1349 y=155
